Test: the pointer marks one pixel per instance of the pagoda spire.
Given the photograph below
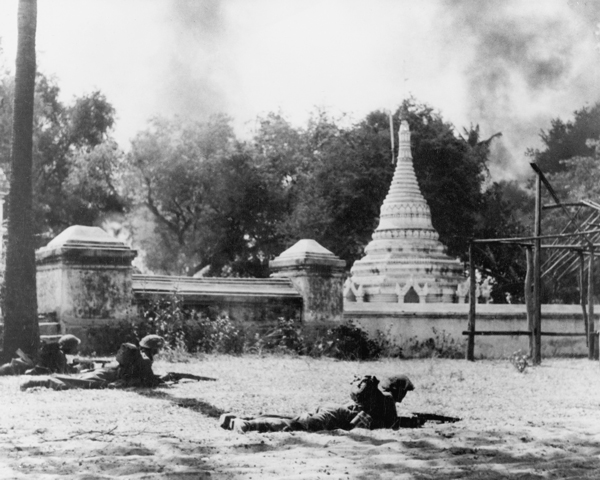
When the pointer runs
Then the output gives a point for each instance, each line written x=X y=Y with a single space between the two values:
x=404 y=207
x=405 y=247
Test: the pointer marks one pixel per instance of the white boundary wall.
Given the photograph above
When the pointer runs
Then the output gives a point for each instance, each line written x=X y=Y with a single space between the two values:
x=410 y=322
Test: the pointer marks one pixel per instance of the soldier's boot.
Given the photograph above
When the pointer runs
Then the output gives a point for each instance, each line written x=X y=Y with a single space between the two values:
x=7 y=369
x=225 y=421
x=46 y=382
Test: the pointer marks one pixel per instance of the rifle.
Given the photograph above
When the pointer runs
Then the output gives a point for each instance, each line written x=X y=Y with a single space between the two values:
x=175 y=377
x=88 y=363
x=417 y=420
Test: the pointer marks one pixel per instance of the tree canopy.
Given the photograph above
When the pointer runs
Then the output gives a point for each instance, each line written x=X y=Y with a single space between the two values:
x=568 y=139
x=211 y=207
x=71 y=184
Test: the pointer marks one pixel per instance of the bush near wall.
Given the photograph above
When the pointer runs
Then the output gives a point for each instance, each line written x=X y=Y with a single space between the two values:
x=188 y=330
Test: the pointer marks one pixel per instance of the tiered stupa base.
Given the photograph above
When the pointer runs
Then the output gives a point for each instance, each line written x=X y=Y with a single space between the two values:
x=408 y=271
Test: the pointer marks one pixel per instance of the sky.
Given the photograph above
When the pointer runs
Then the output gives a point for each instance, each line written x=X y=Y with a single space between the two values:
x=508 y=66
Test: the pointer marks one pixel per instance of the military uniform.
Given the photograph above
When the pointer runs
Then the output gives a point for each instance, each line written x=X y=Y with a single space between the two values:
x=327 y=417
x=150 y=345
x=125 y=372
x=370 y=408
x=52 y=359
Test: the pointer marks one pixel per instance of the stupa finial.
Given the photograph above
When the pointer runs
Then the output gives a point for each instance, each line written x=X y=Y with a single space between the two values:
x=404 y=150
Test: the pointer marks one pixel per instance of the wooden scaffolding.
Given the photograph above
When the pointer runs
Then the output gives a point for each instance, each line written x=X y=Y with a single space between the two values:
x=567 y=253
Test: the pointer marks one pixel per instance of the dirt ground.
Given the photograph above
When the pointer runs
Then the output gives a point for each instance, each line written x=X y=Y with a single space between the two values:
x=540 y=424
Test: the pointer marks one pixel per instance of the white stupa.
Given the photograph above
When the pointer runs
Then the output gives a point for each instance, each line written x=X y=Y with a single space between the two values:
x=405 y=261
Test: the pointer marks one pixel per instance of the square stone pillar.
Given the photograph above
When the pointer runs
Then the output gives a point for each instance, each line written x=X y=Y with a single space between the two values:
x=318 y=275
x=84 y=279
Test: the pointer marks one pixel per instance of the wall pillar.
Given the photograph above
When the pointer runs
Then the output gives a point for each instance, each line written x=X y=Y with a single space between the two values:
x=84 y=279
x=318 y=275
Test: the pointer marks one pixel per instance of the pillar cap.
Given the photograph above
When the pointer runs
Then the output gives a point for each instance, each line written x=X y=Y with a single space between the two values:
x=307 y=252
x=82 y=236
x=83 y=241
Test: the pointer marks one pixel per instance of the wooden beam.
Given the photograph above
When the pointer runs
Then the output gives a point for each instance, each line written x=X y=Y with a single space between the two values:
x=561 y=205
x=505 y=333
x=470 y=354
x=529 y=297
x=582 y=297
x=533 y=238
x=590 y=317
x=536 y=354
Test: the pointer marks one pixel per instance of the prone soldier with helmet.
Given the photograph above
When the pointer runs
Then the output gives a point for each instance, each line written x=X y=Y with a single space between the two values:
x=370 y=408
x=126 y=371
x=132 y=368
x=52 y=358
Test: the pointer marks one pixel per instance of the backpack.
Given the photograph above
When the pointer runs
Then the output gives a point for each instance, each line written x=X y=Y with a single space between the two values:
x=130 y=361
x=365 y=392
x=51 y=359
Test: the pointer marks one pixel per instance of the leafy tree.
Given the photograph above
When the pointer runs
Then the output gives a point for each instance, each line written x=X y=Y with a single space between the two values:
x=568 y=139
x=73 y=145
x=210 y=203
x=336 y=178
x=91 y=186
x=502 y=215
x=338 y=199
x=63 y=139
x=21 y=329
x=580 y=180
x=90 y=120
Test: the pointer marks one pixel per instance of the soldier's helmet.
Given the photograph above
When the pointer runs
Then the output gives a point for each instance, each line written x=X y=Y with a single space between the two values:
x=69 y=344
x=128 y=355
x=152 y=342
x=397 y=385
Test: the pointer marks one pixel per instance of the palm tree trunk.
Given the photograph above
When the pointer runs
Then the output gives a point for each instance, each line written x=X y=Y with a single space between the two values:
x=21 y=329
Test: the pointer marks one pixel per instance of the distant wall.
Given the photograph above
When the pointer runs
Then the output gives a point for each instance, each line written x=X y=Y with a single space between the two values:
x=254 y=300
x=85 y=280
x=405 y=323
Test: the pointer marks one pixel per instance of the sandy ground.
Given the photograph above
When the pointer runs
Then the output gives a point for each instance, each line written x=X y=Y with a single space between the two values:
x=540 y=424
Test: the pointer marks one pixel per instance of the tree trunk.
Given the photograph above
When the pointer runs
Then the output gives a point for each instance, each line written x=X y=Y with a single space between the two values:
x=21 y=329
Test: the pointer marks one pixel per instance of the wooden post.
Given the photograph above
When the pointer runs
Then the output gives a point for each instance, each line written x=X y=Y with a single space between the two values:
x=582 y=297
x=590 y=324
x=529 y=304
x=472 y=301
x=537 y=281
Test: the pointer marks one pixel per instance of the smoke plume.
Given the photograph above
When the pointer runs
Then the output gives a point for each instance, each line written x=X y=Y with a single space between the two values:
x=196 y=75
x=529 y=62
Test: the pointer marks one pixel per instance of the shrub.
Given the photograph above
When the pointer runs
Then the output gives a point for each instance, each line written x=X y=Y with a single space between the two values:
x=202 y=331
x=106 y=339
x=286 y=337
x=519 y=361
x=184 y=329
x=350 y=342
x=188 y=331
x=441 y=345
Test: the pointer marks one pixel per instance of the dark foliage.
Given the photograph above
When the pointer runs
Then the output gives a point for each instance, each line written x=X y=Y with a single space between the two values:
x=568 y=139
